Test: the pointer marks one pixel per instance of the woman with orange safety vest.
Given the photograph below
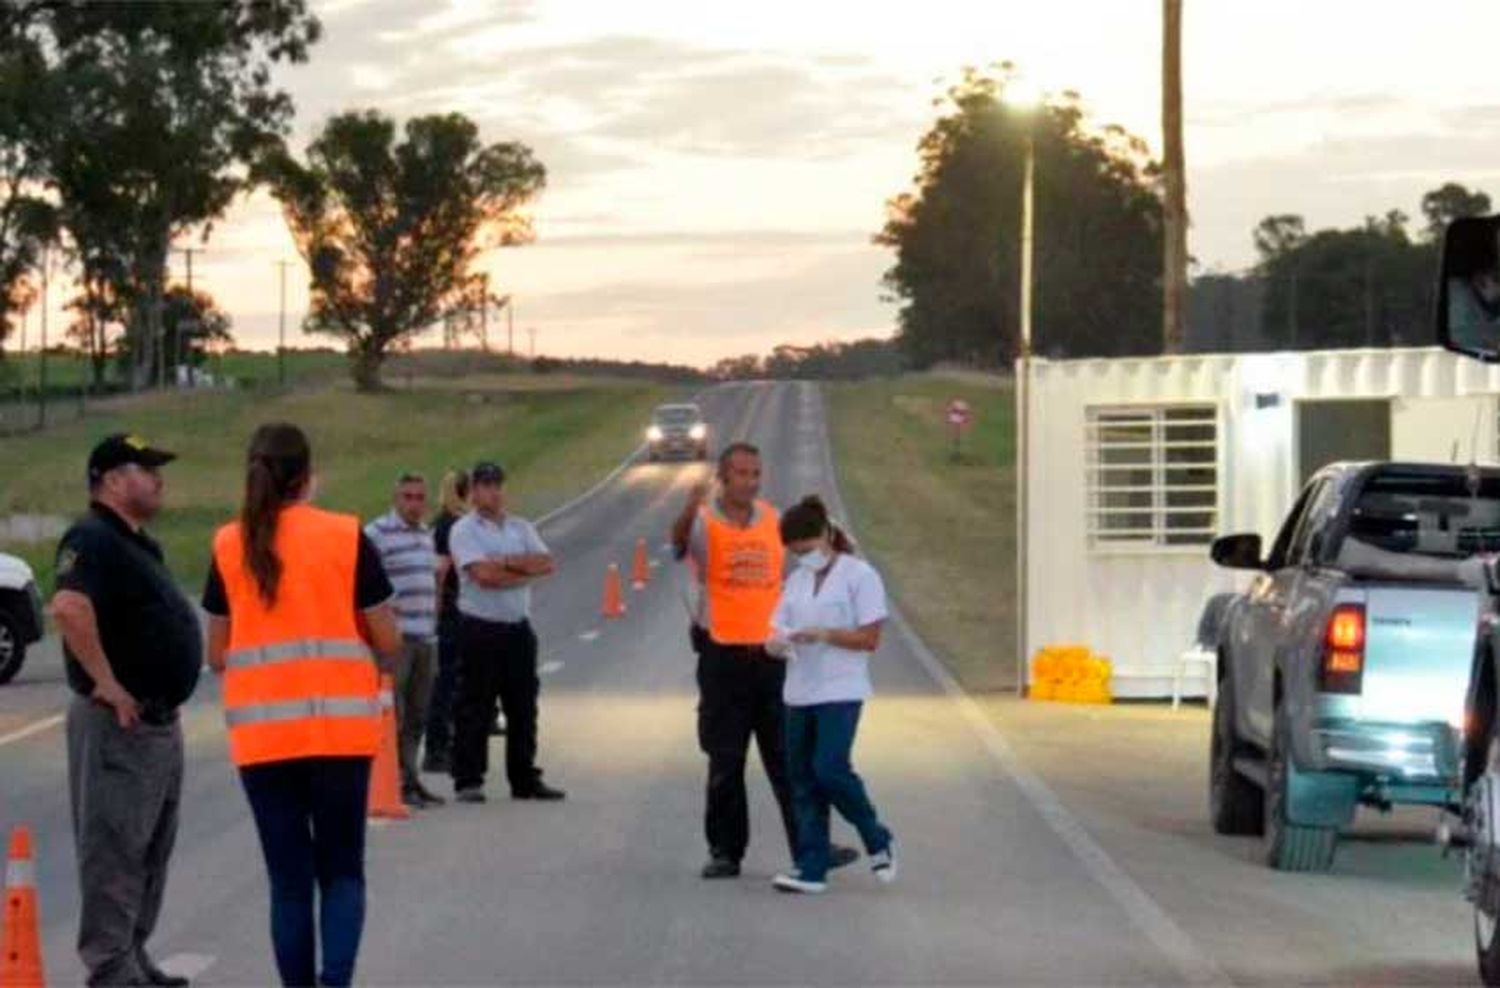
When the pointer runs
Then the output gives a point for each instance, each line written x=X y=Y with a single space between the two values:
x=299 y=604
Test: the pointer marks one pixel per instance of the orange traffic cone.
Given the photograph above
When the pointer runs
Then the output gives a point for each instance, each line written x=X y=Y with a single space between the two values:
x=614 y=602
x=21 y=960
x=641 y=572
x=385 y=774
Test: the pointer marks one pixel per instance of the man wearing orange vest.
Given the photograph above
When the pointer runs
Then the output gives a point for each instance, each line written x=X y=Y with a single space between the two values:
x=734 y=544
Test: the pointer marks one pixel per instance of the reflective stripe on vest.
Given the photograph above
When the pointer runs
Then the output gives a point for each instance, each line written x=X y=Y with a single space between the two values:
x=298 y=680
x=321 y=706
x=304 y=648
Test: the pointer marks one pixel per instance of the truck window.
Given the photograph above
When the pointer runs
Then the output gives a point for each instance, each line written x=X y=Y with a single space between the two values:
x=1282 y=546
x=1314 y=515
x=1429 y=515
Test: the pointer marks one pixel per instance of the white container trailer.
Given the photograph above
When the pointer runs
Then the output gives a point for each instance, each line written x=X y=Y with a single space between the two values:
x=1136 y=464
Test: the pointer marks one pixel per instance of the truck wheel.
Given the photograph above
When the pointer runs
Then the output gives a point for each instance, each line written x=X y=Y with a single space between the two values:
x=12 y=651
x=1235 y=804
x=1486 y=926
x=1290 y=846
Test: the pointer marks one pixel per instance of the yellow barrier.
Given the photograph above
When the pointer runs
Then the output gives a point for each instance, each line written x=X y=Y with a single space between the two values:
x=1070 y=674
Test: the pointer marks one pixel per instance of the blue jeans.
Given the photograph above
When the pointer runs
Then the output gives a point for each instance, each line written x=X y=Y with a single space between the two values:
x=310 y=814
x=819 y=739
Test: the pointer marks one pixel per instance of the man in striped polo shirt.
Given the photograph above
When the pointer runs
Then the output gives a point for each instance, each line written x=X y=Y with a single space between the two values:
x=406 y=549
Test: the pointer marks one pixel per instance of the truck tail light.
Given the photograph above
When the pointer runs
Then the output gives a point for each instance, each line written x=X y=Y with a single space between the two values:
x=1344 y=650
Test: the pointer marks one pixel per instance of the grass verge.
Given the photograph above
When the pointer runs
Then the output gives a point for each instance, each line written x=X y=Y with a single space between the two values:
x=555 y=440
x=942 y=531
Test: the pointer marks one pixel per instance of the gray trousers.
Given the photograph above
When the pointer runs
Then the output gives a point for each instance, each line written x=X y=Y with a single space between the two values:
x=126 y=790
x=413 y=682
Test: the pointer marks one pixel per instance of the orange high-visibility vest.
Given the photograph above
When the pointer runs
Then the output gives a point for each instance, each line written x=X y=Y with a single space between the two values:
x=299 y=682
x=743 y=579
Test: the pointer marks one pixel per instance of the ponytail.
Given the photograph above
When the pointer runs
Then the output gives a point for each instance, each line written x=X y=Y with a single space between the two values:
x=276 y=471
x=809 y=519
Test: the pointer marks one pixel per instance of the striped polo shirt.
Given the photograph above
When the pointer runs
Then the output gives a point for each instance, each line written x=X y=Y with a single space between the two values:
x=411 y=564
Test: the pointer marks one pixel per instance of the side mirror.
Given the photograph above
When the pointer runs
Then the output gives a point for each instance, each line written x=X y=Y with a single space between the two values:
x=1468 y=295
x=1238 y=552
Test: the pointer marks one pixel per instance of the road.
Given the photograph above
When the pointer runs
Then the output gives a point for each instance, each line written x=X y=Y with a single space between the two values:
x=1039 y=846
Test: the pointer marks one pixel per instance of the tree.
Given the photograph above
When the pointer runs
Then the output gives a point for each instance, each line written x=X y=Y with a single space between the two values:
x=168 y=110
x=957 y=234
x=1174 y=174
x=389 y=230
x=1443 y=205
x=28 y=223
x=98 y=313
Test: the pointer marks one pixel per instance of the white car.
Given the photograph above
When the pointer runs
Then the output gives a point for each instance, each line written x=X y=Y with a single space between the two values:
x=20 y=614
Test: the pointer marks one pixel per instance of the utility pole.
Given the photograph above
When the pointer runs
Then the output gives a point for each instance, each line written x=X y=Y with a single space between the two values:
x=510 y=324
x=42 y=365
x=484 y=311
x=531 y=331
x=281 y=267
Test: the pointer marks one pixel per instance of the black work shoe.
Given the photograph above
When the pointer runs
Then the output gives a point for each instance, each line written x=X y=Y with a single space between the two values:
x=539 y=791
x=840 y=856
x=721 y=868
x=471 y=794
x=428 y=797
x=156 y=976
x=411 y=797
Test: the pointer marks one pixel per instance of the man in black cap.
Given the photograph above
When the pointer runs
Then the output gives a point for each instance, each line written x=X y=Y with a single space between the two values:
x=134 y=649
x=497 y=556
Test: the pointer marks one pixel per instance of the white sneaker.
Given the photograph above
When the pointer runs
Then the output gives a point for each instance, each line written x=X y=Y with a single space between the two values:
x=884 y=864
x=793 y=882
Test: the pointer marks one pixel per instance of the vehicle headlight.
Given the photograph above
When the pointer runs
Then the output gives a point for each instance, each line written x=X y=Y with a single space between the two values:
x=698 y=431
x=654 y=433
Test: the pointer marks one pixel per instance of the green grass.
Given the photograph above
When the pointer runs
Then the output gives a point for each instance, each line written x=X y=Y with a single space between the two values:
x=555 y=438
x=942 y=531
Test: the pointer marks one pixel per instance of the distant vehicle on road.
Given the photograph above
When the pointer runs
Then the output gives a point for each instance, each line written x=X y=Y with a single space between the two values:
x=677 y=430
x=1343 y=669
x=20 y=615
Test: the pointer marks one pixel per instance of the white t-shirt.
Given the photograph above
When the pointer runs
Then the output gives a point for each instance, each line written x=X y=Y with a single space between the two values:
x=851 y=597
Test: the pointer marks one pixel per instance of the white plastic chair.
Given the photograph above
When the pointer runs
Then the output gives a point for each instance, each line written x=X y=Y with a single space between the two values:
x=1197 y=656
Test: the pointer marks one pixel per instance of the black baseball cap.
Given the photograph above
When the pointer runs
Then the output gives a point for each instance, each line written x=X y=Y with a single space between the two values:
x=122 y=448
x=487 y=472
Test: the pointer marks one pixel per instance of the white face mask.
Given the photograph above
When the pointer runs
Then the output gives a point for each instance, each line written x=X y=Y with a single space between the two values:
x=815 y=560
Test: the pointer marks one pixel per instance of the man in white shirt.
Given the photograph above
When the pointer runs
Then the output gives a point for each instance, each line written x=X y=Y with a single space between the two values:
x=498 y=557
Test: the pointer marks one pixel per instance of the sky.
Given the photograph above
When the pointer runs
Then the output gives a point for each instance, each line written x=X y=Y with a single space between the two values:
x=716 y=171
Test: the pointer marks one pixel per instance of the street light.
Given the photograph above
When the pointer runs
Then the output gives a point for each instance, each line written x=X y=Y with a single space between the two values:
x=1024 y=97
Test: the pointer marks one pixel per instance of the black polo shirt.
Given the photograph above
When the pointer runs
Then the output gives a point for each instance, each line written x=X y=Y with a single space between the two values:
x=149 y=630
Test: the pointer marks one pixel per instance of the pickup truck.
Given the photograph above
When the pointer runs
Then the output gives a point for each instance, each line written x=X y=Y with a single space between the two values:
x=20 y=615
x=1343 y=668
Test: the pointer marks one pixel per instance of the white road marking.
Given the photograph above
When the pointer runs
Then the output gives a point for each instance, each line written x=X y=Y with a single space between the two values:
x=588 y=636
x=548 y=668
x=190 y=966
x=1196 y=967
x=31 y=729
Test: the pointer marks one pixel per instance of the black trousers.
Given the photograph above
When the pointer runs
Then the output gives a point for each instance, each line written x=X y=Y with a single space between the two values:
x=495 y=662
x=739 y=697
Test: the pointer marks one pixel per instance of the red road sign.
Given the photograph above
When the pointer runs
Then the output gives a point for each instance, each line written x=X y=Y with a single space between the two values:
x=958 y=413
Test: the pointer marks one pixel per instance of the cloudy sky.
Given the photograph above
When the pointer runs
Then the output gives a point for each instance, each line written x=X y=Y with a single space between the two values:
x=716 y=170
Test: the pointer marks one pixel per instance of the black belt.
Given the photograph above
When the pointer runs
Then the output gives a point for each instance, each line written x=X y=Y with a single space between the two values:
x=512 y=625
x=151 y=712
x=157 y=714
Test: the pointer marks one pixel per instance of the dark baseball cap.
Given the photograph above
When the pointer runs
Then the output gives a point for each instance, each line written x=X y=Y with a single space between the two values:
x=122 y=448
x=487 y=472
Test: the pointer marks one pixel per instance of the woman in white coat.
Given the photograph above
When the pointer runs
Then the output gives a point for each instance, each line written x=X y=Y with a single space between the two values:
x=827 y=625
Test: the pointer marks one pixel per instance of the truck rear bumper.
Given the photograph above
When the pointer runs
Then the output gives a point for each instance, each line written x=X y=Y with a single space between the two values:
x=1397 y=755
